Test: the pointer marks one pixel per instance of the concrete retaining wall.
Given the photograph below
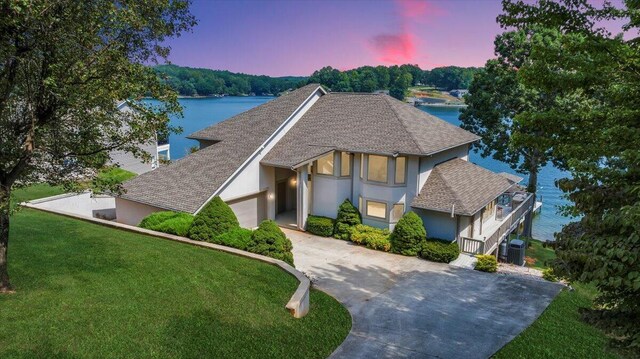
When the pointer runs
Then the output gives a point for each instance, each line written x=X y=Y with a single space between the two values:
x=298 y=305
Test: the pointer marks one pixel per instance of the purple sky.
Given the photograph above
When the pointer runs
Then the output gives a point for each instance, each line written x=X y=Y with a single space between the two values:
x=296 y=37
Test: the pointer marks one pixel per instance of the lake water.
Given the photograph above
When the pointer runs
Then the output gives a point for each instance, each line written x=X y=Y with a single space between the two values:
x=200 y=113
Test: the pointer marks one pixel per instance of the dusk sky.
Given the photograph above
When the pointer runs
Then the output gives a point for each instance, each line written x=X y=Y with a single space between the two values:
x=296 y=37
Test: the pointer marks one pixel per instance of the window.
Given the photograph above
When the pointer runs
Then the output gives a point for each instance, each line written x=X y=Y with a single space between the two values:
x=401 y=167
x=377 y=168
x=360 y=203
x=325 y=165
x=361 y=165
x=345 y=164
x=397 y=211
x=376 y=209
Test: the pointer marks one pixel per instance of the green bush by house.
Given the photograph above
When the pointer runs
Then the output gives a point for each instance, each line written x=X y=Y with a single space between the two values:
x=486 y=263
x=548 y=274
x=348 y=216
x=213 y=220
x=439 y=250
x=374 y=238
x=177 y=223
x=321 y=226
x=237 y=238
x=269 y=240
x=408 y=235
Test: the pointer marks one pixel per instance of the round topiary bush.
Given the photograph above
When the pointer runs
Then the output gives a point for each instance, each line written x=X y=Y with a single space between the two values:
x=177 y=223
x=439 y=250
x=348 y=217
x=237 y=238
x=270 y=241
x=213 y=220
x=321 y=226
x=486 y=263
x=408 y=235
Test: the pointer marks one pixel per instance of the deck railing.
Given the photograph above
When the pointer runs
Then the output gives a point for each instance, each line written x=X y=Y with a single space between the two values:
x=490 y=243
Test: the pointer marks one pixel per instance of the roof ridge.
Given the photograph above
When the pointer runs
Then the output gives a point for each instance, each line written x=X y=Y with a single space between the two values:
x=387 y=98
x=446 y=184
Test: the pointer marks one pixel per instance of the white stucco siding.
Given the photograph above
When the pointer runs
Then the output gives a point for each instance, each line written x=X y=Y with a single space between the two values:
x=427 y=163
x=438 y=224
x=129 y=212
x=252 y=177
x=328 y=193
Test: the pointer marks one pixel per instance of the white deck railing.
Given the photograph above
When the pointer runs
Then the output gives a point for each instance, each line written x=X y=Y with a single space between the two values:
x=489 y=243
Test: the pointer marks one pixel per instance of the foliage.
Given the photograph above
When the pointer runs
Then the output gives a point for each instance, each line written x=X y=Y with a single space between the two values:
x=237 y=238
x=408 y=235
x=270 y=241
x=439 y=250
x=371 y=237
x=396 y=79
x=213 y=220
x=541 y=253
x=594 y=78
x=559 y=324
x=86 y=273
x=109 y=178
x=321 y=226
x=486 y=263
x=177 y=223
x=65 y=67
x=549 y=275
x=189 y=81
x=348 y=216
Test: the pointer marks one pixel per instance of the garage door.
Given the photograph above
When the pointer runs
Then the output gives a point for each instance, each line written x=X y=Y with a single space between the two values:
x=250 y=210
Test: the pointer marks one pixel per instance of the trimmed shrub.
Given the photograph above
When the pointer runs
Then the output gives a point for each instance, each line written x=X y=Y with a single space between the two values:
x=236 y=238
x=177 y=223
x=439 y=250
x=321 y=226
x=486 y=263
x=549 y=275
x=374 y=238
x=213 y=220
x=348 y=216
x=269 y=240
x=408 y=235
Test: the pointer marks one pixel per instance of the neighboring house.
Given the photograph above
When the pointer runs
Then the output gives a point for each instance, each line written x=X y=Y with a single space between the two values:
x=458 y=93
x=305 y=152
x=159 y=150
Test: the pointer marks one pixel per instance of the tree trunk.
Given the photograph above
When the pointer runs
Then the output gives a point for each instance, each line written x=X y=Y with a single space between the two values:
x=531 y=188
x=5 y=203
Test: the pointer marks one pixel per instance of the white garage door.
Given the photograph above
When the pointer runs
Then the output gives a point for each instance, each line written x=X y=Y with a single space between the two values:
x=250 y=210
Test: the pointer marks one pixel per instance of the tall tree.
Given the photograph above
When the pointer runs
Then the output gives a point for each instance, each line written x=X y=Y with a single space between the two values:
x=595 y=132
x=64 y=67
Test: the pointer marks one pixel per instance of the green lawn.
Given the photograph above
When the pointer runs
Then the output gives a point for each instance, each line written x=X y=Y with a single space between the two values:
x=560 y=333
x=542 y=255
x=84 y=290
x=35 y=191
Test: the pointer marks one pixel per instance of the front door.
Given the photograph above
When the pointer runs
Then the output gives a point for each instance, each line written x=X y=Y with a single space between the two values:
x=281 y=197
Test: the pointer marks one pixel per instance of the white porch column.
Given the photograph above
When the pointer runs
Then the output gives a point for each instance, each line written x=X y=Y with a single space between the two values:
x=302 y=197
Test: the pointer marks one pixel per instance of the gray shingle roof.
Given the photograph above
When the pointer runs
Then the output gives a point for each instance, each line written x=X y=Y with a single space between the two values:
x=461 y=183
x=186 y=184
x=370 y=123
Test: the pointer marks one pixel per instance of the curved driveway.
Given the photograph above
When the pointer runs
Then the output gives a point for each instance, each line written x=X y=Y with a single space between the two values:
x=405 y=307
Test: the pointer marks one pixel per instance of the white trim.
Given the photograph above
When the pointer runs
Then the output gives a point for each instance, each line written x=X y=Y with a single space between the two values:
x=260 y=148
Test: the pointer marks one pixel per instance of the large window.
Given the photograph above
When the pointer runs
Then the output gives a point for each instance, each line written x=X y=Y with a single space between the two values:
x=325 y=165
x=376 y=209
x=345 y=164
x=396 y=212
x=401 y=168
x=361 y=165
x=377 y=168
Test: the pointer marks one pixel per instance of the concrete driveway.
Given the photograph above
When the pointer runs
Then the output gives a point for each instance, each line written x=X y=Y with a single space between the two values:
x=406 y=307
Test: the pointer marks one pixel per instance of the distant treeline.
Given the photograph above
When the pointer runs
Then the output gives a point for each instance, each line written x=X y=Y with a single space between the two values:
x=397 y=79
x=189 y=81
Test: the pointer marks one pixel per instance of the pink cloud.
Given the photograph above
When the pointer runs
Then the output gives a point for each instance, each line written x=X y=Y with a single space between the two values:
x=394 y=48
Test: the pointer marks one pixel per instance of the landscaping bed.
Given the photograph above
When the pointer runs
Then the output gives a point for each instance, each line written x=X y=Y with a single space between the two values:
x=84 y=290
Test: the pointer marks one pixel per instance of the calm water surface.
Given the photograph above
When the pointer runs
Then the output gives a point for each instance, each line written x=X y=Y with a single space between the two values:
x=200 y=113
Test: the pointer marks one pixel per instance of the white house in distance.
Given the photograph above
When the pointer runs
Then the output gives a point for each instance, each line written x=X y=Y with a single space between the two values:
x=158 y=149
x=307 y=151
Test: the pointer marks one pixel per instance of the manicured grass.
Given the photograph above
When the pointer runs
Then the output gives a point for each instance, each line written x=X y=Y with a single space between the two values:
x=35 y=191
x=115 y=174
x=542 y=255
x=560 y=333
x=84 y=290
